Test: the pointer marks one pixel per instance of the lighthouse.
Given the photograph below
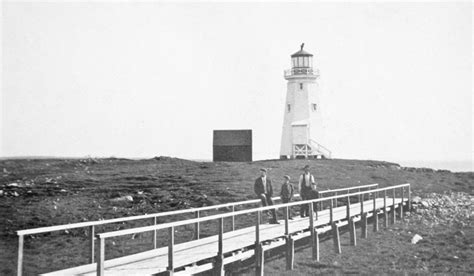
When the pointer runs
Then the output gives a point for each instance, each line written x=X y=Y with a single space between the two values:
x=302 y=122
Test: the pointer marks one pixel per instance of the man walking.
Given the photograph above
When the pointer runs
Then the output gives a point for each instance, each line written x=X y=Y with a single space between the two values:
x=263 y=189
x=307 y=188
x=286 y=192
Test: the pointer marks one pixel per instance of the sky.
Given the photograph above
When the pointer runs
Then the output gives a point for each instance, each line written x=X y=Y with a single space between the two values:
x=131 y=79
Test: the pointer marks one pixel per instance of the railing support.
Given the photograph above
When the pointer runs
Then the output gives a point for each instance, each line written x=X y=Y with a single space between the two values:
x=171 y=251
x=348 y=208
x=376 y=214
x=316 y=245
x=101 y=262
x=233 y=218
x=331 y=213
x=401 y=205
x=409 y=199
x=219 y=265
x=364 y=225
x=385 y=215
x=336 y=238
x=290 y=253
x=155 y=234
x=196 y=226
x=92 y=243
x=313 y=234
x=394 y=207
x=352 y=232
x=21 y=239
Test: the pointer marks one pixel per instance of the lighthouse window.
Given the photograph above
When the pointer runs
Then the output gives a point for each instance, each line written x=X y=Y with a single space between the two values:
x=314 y=107
x=289 y=107
x=301 y=86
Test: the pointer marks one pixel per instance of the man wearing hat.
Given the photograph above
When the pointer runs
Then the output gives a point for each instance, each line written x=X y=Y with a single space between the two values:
x=263 y=189
x=307 y=188
x=286 y=192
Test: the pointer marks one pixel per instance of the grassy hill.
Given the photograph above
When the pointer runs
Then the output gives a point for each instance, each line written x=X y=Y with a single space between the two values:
x=44 y=192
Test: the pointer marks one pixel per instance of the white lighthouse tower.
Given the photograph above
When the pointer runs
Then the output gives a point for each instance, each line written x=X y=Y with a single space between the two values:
x=302 y=123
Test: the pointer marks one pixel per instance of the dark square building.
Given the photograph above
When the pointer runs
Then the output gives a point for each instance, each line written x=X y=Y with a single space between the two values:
x=232 y=145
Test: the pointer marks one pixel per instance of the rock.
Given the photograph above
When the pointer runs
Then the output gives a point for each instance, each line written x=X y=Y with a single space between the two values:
x=460 y=233
x=1 y=192
x=139 y=192
x=416 y=199
x=15 y=194
x=416 y=238
x=63 y=191
x=425 y=203
x=123 y=198
x=13 y=184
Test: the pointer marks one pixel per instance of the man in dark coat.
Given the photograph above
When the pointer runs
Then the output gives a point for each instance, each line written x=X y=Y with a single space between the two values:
x=264 y=190
x=286 y=192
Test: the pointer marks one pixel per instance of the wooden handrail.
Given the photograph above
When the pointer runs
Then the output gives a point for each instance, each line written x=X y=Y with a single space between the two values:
x=351 y=188
x=242 y=212
x=161 y=214
x=92 y=224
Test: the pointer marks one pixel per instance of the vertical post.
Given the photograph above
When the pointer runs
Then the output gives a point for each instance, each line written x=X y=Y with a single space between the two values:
x=401 y=204
x=361 y=204
x=336 y=238
x=335 y=194
x=258 y=248
x=233 y=218
x=385 y=215
x=100 y=263
x=331 y=215
x=286 y=213
x=394 y=207
x=21 y=239
x=364 y=225
x=376 y=215
x=311 y=228
x=409 y=198
x=92 y=243
x=348 y=208
x=171 y=251
x=352 y=232
x=219 y=266
x=196 y=226
x=316 y=235
x=155 y=234
x=290 y=253
x=358 y=190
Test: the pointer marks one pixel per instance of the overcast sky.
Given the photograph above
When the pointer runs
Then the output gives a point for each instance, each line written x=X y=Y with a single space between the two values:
x=150 y=79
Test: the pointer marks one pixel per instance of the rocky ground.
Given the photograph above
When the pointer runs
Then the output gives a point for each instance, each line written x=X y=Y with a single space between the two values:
x=44 y=192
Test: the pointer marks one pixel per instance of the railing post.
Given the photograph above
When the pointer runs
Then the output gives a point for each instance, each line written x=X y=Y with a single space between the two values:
x=259 y=254
x=336 y=238
x=348 y=208
x=335 y=205
x=101 y=262
x=401 y=204
x=233 y=218
x=364 y=225
x=385 y=215
x=409 y=198
x=352 y=232
x=361 y=204
x=92 y=243
x=376 y=215
x=331 y=215
x=311 y=228
x=21 y=239
x=219 y=267
x=290 y=243
x=171 y=251
x=196 y=226
x=394 y=209
x=155 y=234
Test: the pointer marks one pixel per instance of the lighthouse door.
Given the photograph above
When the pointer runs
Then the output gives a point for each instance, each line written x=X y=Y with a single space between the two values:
x=300 y=141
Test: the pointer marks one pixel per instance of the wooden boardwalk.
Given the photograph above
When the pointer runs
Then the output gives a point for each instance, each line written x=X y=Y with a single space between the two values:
x=236 y=245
